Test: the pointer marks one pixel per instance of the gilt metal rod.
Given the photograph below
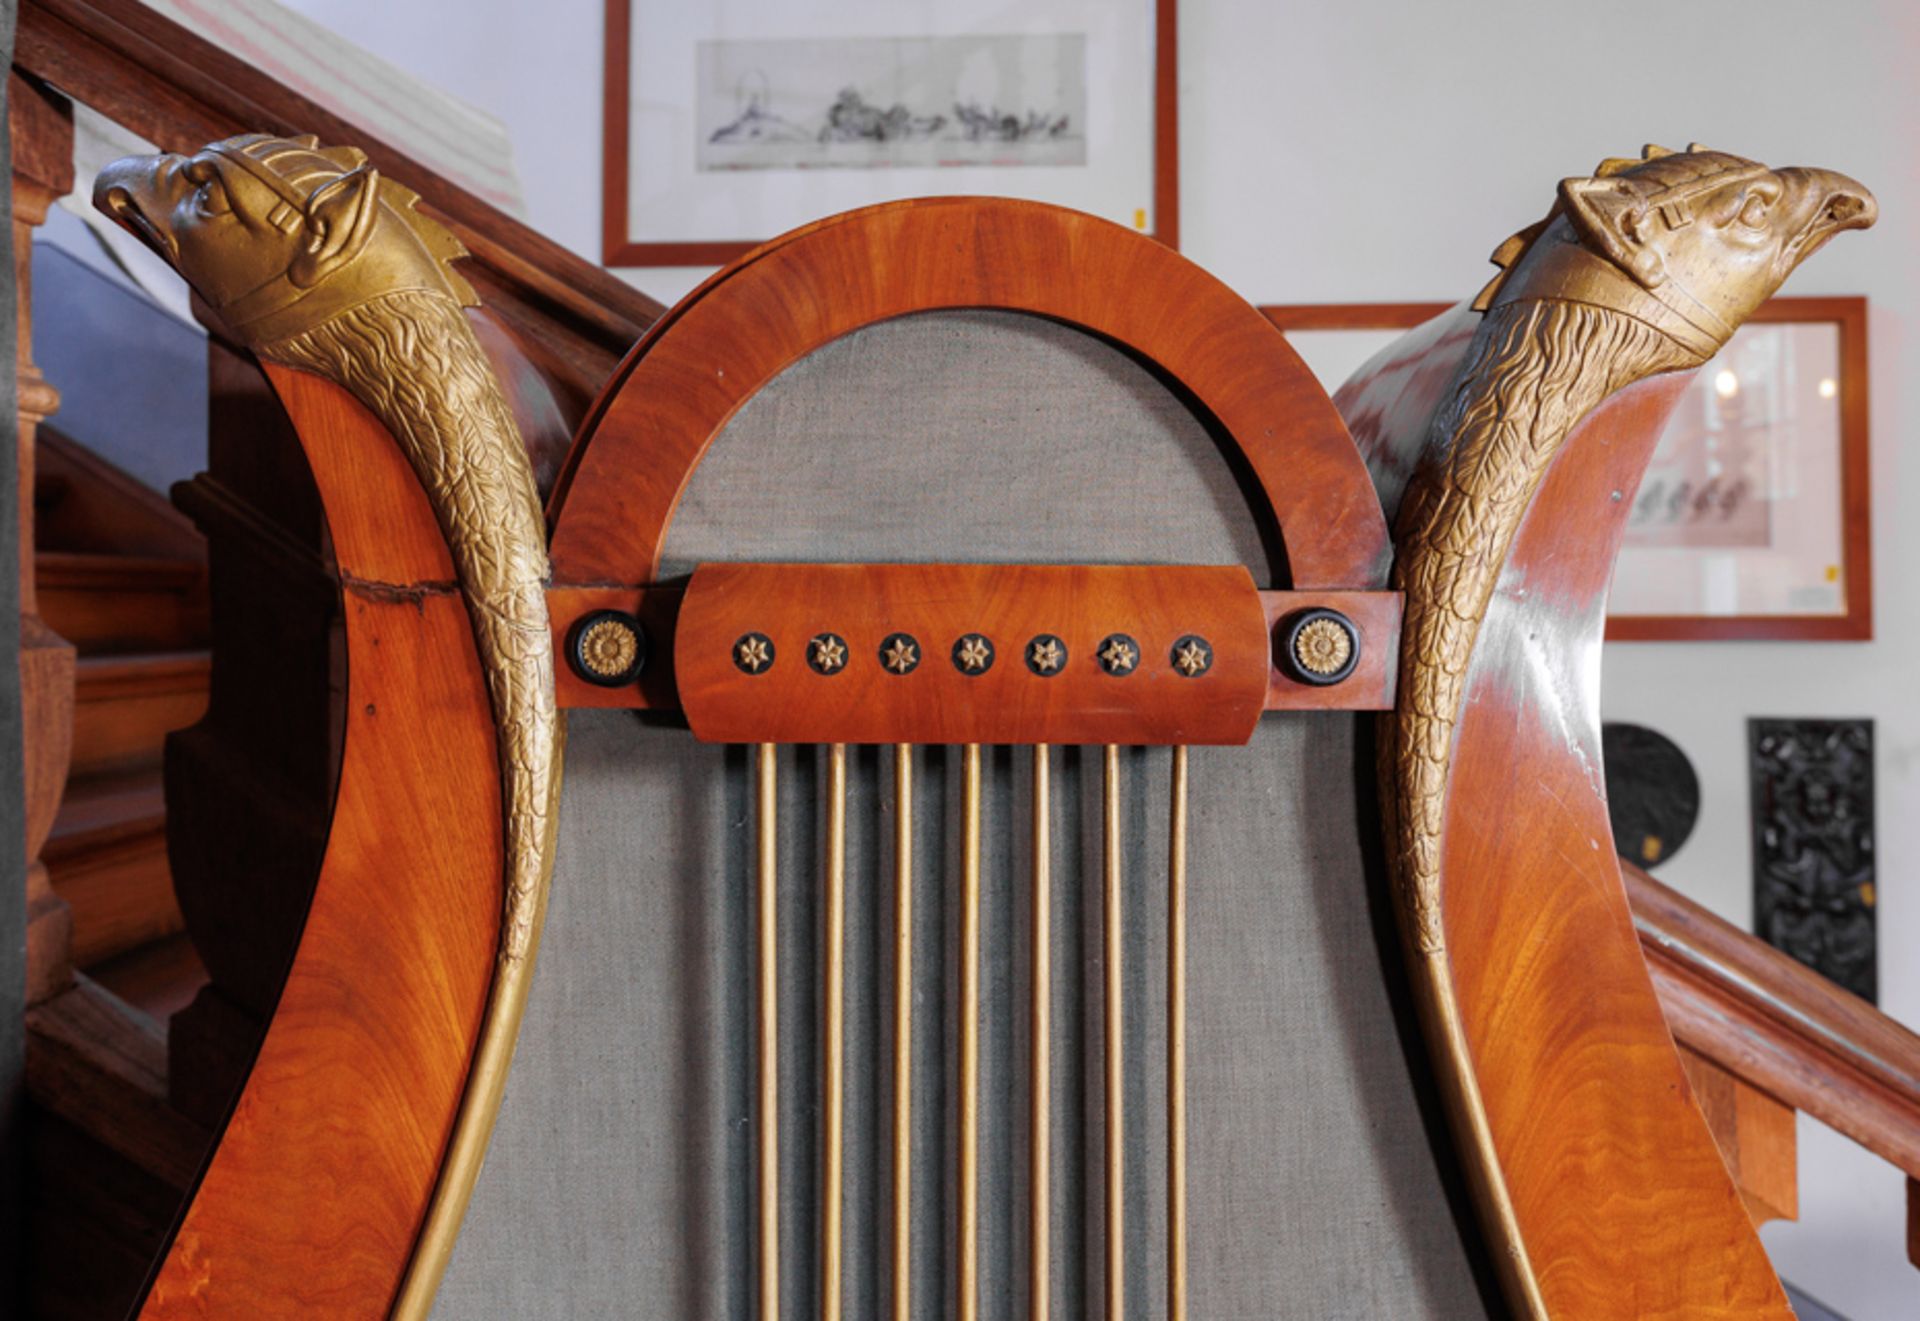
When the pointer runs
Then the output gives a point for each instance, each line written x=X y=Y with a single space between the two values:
x=1041 y=1119
x=1177 y=1044
x=1116 y=1070
x=833 y=1107
x=768 y=1055
x=903 y=1033
x=969 y=1208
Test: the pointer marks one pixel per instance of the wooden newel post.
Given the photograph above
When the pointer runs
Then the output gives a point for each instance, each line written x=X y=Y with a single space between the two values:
x=41 y=125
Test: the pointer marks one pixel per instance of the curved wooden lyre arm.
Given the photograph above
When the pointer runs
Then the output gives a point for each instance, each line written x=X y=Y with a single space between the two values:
x=338 y=1183
x=705 y=358
x=1513 y=444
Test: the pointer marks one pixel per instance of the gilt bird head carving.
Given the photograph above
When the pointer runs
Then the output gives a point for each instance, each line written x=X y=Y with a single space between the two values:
x=279 y=235
x=1706 y=235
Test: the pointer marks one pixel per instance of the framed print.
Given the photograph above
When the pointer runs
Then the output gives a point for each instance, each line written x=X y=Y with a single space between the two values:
x=728 y=124
x=1752 y=520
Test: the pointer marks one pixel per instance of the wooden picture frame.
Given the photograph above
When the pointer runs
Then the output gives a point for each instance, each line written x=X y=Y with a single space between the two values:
x=619 y=249
x=1848 y=314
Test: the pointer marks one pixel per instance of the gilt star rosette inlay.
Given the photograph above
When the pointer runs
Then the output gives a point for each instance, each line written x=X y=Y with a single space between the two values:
x=1046 y=654
x=973 y=654
x=900 y=653
x=827 y=653
x=1119 y=654
x=754 y=653
x=1192 y=656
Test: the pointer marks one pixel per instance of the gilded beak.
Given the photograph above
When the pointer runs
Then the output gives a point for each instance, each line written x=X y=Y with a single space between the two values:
x=120 y=191
x=1840 y=204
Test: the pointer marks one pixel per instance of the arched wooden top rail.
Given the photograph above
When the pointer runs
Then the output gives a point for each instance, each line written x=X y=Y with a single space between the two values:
x=682 y=383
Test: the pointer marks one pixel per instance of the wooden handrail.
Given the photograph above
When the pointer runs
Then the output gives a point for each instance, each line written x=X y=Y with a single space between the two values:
x=180 y=91
x=1780 y=1026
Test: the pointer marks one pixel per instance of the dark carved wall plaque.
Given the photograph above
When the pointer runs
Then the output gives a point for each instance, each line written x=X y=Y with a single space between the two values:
x=1653 y=795
x=1813 y=844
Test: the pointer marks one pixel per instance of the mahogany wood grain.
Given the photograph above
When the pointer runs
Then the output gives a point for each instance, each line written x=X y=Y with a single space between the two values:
x=1755 y=1134
x=1775 y=1023
x=1622 y=1202
x=618 y=248
x=1849 y=315
x=313 y=1196
x=937 y=700
x=1351 y=316
x=682 y=383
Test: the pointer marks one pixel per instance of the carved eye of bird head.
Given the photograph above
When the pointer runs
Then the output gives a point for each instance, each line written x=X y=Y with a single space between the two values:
x=257 y=223
x=1717 y=229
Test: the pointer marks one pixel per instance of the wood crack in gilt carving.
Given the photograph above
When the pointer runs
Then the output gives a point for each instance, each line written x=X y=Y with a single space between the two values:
x=1647 y=267
x=313 y=260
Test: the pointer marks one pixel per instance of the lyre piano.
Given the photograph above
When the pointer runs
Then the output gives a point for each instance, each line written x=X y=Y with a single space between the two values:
x=1059 y=818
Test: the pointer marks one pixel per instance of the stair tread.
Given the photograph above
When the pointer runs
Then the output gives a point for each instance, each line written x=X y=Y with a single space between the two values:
x=125 y=706
x=97 y=570
x=159 y=979
x=142 y=669
x=99 y=809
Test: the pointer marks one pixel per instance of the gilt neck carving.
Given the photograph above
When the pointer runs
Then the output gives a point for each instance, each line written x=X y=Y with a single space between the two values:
x=1647 y=266
x=313 y=260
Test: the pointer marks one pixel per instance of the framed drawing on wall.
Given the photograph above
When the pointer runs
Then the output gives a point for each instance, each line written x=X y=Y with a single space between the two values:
x=1752 y=520
x=728 y=124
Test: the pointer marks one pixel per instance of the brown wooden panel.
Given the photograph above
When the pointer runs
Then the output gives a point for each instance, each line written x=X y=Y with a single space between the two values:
x=1375 y=616
x=314 y=1195
x=937 y=699
x=1376 y=619
x=700 y=363
x=1755 y=1134
x=1611 y=1171
x=655 y=607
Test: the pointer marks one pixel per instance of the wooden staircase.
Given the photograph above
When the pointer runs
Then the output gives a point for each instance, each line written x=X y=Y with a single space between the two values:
x=122 y=576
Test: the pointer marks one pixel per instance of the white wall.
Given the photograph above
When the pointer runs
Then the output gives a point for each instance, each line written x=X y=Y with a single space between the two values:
x=1376 y=151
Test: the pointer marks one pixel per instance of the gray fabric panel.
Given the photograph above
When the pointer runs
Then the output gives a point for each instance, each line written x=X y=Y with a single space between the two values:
x=619 y=1183
x=970 y=436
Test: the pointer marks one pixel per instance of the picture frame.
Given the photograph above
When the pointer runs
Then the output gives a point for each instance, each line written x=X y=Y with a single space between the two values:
x=673 y=139
x=1791 y=560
